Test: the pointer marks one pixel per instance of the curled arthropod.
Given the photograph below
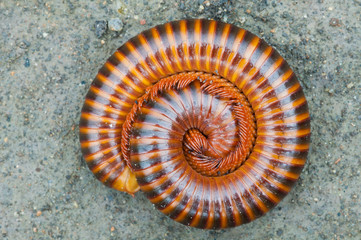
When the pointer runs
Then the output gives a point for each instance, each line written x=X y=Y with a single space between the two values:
x=205 y=118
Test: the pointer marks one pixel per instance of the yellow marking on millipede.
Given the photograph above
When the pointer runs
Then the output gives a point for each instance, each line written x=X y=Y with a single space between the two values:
x=223 y=212
x=188 y=205
x=183 y=31
x=117 y=88
x=237 y=42
x=160 y=45
x=279 y=158
x=290 y=133
x=294 y=103
x=170 y=189
x=210 y=219
x=90 y=116
x=252 y=162
x=222 y=45
x=138 y=157
x=255 y=162
x=107 y=161
x=85 y=144
x=100 y=166
x=253 y=44
x=274 y=67
x=160 y=181
x=199 y=209
x=145 y=44
x=210 y=43
x=261 y=105
x=296 y=147
x=260 y=114
x=289 y=91
x=246 y=206
x=129 y=65
x=254 y=86
x=87 y=130
x=277 y=170
x=155 y=168
x=258 y=200
x=218 y=58
x=170 y=207
x=197 y=215
x=279 y=97
x=111 y=98
x=125 y=79
x=105 y=177
x=247 y=56
x=197 y=41
x=282 y=78
x=141 y=61
x=260 y=95
x=290 y=160
x=172 y=43
x=103 y=107
x=265 y=55
x=265 y=190
x=100 y=153
x=284 y=121
x=235 y=211
x=240 y=67
x=249 y=76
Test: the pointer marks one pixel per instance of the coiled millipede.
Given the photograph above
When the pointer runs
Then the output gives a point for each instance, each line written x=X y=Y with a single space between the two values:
x=204 y=117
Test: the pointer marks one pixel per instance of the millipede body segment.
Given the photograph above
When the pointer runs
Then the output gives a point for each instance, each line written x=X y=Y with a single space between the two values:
x=204 y=117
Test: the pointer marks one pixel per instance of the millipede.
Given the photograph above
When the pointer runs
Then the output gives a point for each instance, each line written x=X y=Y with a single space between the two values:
x=204 y=117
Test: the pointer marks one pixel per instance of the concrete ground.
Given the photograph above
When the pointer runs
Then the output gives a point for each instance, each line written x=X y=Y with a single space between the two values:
x=51 y=50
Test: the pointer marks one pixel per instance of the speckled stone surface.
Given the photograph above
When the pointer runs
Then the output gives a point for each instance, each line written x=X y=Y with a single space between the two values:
x=51 y=50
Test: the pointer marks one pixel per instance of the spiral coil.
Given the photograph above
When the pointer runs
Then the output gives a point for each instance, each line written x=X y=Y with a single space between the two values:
x=204 y=117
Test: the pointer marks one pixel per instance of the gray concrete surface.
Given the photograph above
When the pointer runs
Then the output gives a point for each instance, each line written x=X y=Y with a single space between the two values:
x=49 y=53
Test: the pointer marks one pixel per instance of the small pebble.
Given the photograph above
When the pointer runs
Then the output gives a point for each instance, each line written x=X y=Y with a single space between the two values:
x=100 y=28
x=38 y=213
x=27 y=62
x=115 y=24
x=334 y=22
x=142 y=22
x=24 y=44
x=350 y=85
x=242 y=20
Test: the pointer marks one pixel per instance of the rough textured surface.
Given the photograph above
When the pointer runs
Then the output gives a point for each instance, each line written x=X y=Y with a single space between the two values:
x=51 y=50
